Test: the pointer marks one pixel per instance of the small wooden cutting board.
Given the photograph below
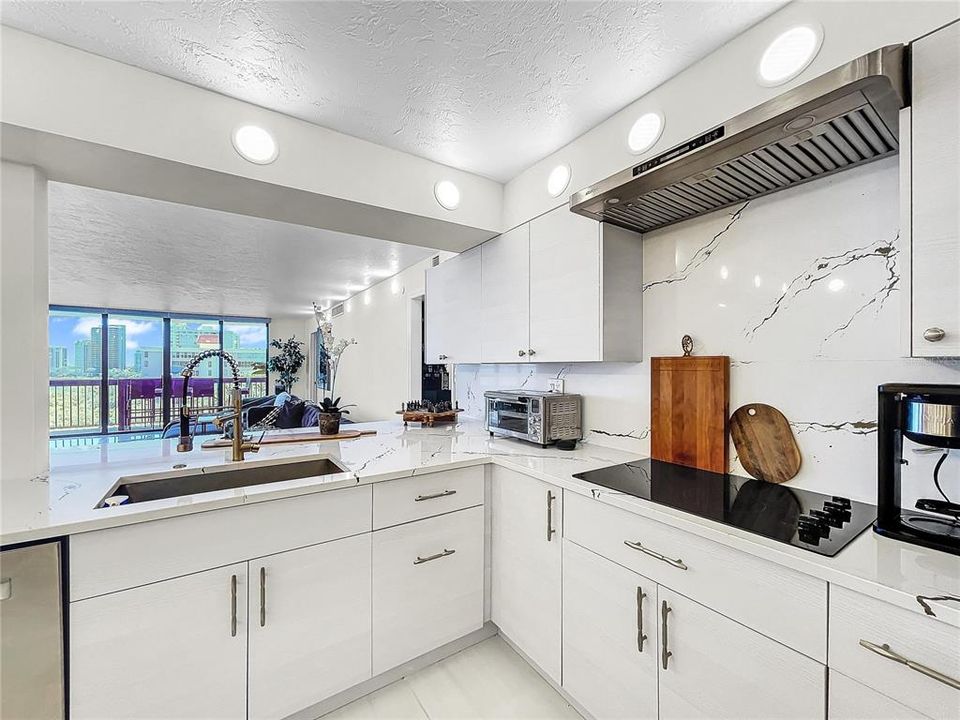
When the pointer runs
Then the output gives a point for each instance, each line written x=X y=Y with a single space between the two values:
x=765 y=443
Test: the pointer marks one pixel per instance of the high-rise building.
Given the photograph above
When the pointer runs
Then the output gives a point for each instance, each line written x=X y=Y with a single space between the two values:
x=148 y=361
x=58 y=358
x=86 y=359
x=116 y=345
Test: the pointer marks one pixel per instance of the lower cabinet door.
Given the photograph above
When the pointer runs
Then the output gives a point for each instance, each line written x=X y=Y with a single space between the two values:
x=172 y=649
x=713 y=667
x=850 y=700
x=526 y=562
x=609 y=637
x=309 y=625
x=427 y=585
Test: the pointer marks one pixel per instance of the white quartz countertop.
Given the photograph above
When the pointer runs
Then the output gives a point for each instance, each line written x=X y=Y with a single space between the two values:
x=65 y=501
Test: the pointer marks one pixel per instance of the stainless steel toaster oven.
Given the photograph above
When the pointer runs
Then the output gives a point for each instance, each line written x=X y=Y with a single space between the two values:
x=533 y=415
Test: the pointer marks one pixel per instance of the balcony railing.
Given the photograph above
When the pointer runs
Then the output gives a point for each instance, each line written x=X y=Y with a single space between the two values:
x=133 y=403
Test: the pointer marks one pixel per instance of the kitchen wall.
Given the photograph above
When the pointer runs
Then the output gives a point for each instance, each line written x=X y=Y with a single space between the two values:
x=804 y=291
x=378 y=372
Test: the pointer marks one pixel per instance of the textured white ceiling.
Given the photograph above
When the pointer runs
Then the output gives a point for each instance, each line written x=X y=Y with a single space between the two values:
x=488 y=87
x=113 y=250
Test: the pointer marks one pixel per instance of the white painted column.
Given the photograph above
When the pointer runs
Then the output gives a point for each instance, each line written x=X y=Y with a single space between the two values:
x=24 y=307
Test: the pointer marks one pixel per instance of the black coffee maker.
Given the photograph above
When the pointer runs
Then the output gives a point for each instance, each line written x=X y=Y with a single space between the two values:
x=928 y=415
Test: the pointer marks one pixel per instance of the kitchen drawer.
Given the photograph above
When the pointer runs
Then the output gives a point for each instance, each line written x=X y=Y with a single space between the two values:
x=105 y=561
x=414 y=498
x=924 y=640
x=780 y=603
x=427 y=585
x=850 y=700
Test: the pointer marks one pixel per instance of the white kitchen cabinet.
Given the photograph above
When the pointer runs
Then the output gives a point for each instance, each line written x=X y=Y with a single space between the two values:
x=309 y=626
x=713 y=667
x=934 y=221
x=526 y=563
x=561 y=288
x=427 y=585
x=505 y=297
x=172 y=649
x=565 y=287
x=452 y=310
x=609 y=637
x=850 y=700
x=872 y=642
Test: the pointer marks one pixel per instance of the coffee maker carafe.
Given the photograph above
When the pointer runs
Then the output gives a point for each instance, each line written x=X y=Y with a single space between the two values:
x=929 y=415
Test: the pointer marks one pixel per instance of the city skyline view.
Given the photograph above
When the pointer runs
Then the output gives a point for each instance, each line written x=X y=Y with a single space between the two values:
x=132 y=363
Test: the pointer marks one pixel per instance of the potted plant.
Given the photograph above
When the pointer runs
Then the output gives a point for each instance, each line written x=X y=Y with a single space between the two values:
x=287 y=362
x=331 y=413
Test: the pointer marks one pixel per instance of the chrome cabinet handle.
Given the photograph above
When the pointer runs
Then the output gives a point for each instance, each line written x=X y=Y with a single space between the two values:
x=439 y=555
x=445 y=493
x=640 y=636
x=885 y=651
x=442 y=357
x=678 y=563
x=263 y=597
x=6 y=588
x=531 y=351
x=233 y=606
x=520 y=353
x=665 y=653
x=550 y=530
x=934 y=334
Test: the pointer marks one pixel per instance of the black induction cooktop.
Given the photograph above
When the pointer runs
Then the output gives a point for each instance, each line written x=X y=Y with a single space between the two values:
x=810 y=520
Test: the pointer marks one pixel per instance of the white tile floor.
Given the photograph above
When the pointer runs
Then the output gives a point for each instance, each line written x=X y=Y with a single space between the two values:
x=487 y=681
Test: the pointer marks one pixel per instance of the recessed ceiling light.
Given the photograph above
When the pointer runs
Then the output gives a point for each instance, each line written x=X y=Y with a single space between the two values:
x=645 y=132
x=356 y=288
x=255 y=144
x=447 y=194
x=558 y=180
x=789 y=54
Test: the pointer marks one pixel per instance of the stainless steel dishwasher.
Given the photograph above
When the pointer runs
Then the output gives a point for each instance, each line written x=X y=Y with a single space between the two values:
x=31 y=633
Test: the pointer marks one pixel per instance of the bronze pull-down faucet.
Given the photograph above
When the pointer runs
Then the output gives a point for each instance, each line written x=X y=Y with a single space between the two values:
x=185 y=443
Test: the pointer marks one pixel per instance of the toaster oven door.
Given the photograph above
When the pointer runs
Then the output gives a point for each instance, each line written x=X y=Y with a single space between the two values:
x=508 y=415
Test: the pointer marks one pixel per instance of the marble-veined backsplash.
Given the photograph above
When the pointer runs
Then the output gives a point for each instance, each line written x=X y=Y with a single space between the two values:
x=802 y=290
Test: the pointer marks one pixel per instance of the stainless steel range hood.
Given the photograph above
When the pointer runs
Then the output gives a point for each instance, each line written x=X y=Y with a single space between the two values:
x=842 y=119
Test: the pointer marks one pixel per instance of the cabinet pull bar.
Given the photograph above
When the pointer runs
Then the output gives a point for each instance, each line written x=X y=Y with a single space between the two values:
x=640 y=636
x=263 y=596
x=678 y=563
x=550 y=530
x=666 y=654
x=233 y=606
x=439 y=555
x=885 y=651
x=434 y=496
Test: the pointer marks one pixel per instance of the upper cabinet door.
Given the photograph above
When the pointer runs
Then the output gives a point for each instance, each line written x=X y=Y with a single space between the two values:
x=935 y=171
x=713 y=667
x=565 y=286
x=309 y=633
x=171 y=649
x=505 y=280
x=452 y=310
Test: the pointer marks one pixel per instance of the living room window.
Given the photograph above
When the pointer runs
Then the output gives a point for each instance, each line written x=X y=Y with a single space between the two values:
x=118 y=371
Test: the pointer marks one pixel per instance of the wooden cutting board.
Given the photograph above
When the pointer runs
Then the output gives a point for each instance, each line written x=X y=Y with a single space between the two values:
x=689 y=406
x=765 y=443
x=311 y=436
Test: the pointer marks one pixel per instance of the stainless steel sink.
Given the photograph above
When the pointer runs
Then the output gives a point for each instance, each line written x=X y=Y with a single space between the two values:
x=143 y=488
